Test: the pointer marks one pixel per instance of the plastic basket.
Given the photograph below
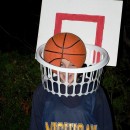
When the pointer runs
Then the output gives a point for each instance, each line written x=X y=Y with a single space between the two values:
x=86 y=79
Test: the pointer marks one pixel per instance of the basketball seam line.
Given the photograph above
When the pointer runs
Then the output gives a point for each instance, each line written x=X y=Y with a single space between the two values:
x=72 y=44
x=55 y=43
x=66 y=47
x=63 y=45
x=63 y=53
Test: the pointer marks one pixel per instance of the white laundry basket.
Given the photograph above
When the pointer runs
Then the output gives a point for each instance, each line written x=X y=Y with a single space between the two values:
x=88 y=76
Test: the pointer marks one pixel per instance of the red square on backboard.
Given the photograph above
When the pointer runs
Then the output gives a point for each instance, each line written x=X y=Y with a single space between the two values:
x=60 y=17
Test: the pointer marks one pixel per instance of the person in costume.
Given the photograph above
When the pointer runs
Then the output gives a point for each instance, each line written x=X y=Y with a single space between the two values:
x=60 y=112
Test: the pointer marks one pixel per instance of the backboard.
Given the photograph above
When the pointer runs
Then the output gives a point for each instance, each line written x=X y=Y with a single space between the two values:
x=95 y=22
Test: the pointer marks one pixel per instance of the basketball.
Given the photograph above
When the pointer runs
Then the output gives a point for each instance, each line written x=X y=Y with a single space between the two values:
x=65 y=46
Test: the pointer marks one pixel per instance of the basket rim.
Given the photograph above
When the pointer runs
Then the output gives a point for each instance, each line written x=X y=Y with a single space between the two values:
x=94 y=67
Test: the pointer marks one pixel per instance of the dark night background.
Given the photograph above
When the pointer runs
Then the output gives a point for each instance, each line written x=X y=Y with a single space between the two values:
x=19 y=22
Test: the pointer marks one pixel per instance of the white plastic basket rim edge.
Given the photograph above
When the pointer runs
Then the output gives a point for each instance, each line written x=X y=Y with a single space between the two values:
x=94 y=67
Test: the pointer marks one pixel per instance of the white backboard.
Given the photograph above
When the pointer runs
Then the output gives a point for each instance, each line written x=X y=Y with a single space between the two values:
x=95 y=22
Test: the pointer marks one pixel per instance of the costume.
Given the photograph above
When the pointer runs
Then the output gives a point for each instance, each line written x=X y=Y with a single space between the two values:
x=89 y=112
x=70 y=99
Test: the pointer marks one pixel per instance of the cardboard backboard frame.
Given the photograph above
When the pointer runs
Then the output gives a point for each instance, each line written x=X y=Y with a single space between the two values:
x=104 y=15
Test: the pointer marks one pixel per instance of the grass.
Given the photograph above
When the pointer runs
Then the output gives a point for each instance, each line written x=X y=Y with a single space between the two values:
x=19 y=77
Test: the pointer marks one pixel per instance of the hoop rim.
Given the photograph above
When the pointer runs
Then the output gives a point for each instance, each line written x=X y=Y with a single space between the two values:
x=94 y=67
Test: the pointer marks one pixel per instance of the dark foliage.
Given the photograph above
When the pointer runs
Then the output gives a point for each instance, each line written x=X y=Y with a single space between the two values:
x=19 y=77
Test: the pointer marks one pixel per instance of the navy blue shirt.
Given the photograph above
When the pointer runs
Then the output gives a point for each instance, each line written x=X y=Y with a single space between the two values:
x=89 y=112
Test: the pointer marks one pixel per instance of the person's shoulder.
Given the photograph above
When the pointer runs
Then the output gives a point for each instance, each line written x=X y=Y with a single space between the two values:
x=39 y=92
x=39 y=89
x=101 y=95
x=100 y=91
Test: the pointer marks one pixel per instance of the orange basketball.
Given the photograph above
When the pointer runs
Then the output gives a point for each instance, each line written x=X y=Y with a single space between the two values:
x=65 y=46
